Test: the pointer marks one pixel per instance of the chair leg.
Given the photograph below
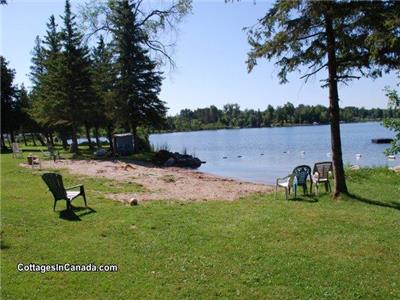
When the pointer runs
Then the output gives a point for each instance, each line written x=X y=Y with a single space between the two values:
x=286 y=193
x=69 y=205
x=83 y=195
x=54 y=207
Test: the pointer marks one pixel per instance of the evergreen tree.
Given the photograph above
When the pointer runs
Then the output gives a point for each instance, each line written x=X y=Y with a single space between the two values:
x=37 y=67
x=8 y=104
x=393 y=123
x=103 y=84
x=78 y=96
x=349 y=39
x=48 y=89
x=23 y=108
x=138 y=82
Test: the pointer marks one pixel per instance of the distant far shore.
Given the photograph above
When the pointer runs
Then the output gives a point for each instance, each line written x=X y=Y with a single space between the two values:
x=206 y=128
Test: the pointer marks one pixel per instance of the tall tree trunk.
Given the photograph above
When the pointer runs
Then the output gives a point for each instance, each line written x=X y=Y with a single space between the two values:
x=12 y=135
x=3 y=143
x=135 y=138
x=88 y=136
x=40 y=139
x=24 y=138
x=74 y=145
x=334 y=112
x=109 y=136
x=64 y=139
x=51 y=140
x=96 y=135
x=33 y=139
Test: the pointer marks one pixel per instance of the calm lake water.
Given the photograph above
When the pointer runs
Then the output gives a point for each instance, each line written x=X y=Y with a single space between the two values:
x=268 y=153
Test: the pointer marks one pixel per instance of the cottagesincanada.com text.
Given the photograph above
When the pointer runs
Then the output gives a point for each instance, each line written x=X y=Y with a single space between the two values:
x=66 y=267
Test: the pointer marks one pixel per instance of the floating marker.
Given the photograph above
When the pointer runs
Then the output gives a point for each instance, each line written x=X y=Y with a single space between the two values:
x=224 y=157
x=239 y=156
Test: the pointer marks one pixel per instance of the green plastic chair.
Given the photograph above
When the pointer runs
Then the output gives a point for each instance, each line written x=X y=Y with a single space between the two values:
x=56 y=186
x=298 y=177
x=301 y=174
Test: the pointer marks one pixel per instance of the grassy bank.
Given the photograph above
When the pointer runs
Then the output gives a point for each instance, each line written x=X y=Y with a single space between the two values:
x=257 y=247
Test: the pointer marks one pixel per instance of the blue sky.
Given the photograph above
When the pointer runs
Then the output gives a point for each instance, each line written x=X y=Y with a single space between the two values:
x=210 y=57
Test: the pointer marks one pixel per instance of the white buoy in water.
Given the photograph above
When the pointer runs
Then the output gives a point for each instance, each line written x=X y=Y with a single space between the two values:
x=302 y=152
x=358 y=156
x=328 y=154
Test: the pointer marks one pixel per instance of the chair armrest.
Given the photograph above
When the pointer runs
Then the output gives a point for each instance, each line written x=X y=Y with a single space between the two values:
x=283 y=178
x=75 y=186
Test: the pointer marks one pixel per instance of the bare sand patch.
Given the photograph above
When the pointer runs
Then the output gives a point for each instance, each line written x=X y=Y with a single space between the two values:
x=162 y=183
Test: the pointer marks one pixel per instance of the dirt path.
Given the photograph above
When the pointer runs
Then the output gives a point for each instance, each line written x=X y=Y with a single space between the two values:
x=162 y=183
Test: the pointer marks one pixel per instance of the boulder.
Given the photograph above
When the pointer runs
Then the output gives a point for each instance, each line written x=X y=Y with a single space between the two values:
x=169 y=159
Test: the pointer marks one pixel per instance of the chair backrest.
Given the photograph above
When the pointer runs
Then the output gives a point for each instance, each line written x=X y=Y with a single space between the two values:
x=323 y=169
x=301 y=173
x=15 y=148
x=56 y=186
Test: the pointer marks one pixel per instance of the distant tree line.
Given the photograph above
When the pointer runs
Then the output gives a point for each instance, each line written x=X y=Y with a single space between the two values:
x=231 y=116
x=110 y=87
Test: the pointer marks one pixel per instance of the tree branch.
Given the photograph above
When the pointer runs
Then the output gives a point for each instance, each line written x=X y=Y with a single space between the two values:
x=307 y=76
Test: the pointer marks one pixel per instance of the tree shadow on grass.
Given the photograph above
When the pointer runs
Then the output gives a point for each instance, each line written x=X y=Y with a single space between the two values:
x=304 y=198
x=391 y=204
x=75 y=214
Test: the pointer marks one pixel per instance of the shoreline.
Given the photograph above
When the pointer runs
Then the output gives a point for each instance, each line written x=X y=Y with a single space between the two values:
x=288 y=125
x=162 y=183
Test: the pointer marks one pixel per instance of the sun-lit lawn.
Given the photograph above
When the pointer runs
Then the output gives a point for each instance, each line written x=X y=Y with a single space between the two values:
x=254 y=248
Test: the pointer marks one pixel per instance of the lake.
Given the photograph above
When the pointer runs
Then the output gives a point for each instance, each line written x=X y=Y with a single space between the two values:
x=263 y=154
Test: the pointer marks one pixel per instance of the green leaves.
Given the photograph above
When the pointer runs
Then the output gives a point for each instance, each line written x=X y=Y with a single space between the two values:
x=293 y=33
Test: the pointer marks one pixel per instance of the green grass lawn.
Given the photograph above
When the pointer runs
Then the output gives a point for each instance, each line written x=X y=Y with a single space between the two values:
x=254 y=248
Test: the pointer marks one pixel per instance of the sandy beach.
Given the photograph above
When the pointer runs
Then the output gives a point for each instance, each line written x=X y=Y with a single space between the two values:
x=161 y=183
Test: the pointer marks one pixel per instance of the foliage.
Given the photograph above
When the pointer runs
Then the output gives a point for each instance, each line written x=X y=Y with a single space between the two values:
x=117 y=86
x=8 y=104
x=157 y=22
x=348 y=39
x=231 y=116
x=393 y=123
x=138 y=82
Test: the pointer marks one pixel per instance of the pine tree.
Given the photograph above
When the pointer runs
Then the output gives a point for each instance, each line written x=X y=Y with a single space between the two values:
x=77 y=103
x=48 y=87
x=37 y=67
x=103 y=84
x=8 y=104
x=138 y=82
x=348 y=39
